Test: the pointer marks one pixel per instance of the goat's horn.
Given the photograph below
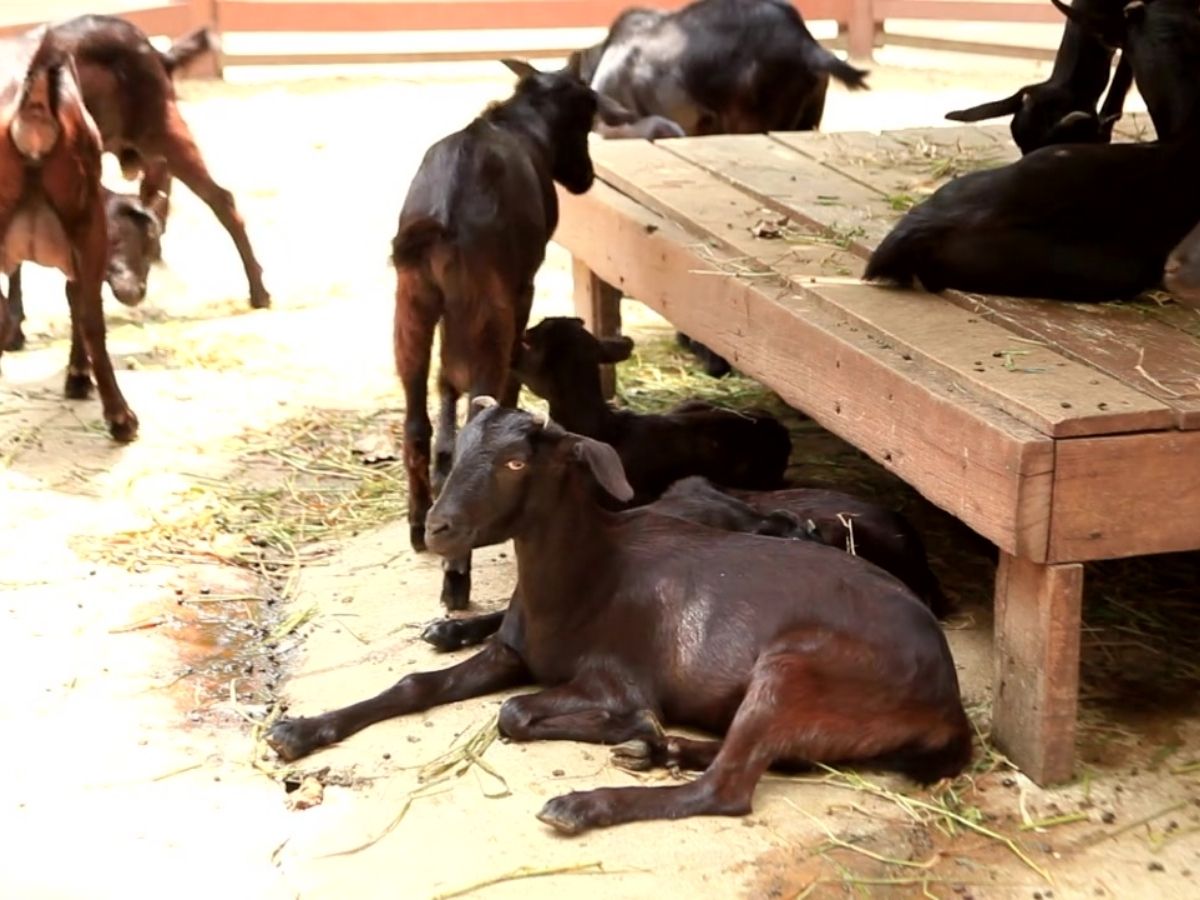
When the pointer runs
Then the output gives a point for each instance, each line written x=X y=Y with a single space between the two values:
x=1129 y=7
x=483 y=401
x=540 y=419
x=1077 y=115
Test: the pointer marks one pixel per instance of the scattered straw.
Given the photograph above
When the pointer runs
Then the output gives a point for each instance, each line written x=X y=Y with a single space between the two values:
x=457 y=761
x=590 y=868
x=848 y=523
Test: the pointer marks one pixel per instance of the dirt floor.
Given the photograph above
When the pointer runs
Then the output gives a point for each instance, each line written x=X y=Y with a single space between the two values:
x=159 y=600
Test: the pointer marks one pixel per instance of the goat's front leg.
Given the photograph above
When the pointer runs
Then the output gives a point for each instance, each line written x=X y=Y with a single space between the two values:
x=454 y=634
x=495 y=668
x=590 y=709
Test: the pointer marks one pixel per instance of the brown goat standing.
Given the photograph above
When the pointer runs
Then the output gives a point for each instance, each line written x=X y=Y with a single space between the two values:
x=796 y=652
x=51 y=207
x=472 y=235
x=127 y=87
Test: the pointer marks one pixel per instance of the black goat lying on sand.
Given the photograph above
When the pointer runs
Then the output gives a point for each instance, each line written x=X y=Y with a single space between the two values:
x=1062 y=109
x=1079 y=222
x=796 y=653
x=560 y=361
x=471 y=236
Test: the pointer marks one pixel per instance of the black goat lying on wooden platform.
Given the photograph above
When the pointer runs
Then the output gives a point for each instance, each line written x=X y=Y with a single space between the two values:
x=797 y=653
x=1078 y=222
x=471 y=236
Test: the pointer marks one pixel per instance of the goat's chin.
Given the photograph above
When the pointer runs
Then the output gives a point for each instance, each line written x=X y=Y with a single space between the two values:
x=1187 y=294
x=457 y=545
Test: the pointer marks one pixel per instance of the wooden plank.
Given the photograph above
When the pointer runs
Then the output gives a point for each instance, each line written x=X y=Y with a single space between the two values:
x=968 y=10
x=1058 y=396
x=1041 y=388
x=1135 y=126
x=981 y=465
x=1116 y=339
x=599 y=305
x=783 y=179
x=707 y=206
x=1156 y=352
x=1126 y=496
x=1037 y=635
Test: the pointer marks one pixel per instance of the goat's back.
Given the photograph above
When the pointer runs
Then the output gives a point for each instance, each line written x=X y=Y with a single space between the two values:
x=125 y=84
x=486 y=202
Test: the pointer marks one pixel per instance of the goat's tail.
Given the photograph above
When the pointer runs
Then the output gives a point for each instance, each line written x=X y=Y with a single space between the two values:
x=183 y=51
x=897 y=257
x=826 y=61
x=414 y=239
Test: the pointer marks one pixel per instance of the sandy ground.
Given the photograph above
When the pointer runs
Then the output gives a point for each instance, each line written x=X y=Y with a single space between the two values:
x=137 y=658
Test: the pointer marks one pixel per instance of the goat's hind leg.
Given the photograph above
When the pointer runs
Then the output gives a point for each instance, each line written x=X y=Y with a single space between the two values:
x=12 y=337
x=802 y=706
x=447 y=432
x=417 y=310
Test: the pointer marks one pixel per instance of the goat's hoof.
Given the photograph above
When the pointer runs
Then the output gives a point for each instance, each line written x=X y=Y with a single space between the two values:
x=16 y=339
x=445 y=635
x=123 y=427
x=292 y=739
x=78 y=386
x=569 y=814
x=260 y=299
x=416 y=536
x=633 y=756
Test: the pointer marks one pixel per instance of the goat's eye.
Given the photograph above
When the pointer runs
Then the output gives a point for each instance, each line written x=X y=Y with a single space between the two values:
x=515 y=465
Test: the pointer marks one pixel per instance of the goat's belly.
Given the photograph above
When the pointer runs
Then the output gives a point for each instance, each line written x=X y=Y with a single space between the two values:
x=36 y=235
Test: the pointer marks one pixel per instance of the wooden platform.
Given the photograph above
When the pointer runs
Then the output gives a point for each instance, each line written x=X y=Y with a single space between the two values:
x=1060 y=432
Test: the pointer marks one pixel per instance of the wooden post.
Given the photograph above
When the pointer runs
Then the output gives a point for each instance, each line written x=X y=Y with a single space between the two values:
x=598 y=303
x=210 y=65
x=1037 y=636
x=861 y=29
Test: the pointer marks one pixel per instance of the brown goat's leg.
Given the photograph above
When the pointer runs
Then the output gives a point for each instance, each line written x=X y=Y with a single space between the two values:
x=184 y=161
x=87 y=323
x=155 y=192
x=13 y=338
x=495 y=668
x=447 y=431
x=78 y=385
x=586 y=710
x=454 y=634
x=412 y=336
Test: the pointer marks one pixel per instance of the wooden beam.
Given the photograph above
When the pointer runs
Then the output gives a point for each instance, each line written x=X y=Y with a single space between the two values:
x=1126 y=495
x=1037 y=636
x=439 y=15
x=598 y=303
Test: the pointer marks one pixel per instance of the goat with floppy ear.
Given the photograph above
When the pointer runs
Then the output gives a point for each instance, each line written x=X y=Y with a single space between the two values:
x=471 y=236
x=786 y=652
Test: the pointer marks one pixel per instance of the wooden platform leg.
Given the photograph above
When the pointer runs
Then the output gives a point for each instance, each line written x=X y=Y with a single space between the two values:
x=599 y=305
x=1037 y=635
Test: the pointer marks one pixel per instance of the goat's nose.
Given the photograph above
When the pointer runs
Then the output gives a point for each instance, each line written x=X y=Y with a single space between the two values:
x=435 y=525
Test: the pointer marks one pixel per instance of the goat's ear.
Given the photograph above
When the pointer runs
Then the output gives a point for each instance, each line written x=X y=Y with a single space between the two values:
x=991 y=110
x=519 y=67
x=615 y=349
x=606 y=466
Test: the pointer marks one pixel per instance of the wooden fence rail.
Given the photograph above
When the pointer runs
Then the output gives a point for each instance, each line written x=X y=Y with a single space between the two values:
x=860 y=22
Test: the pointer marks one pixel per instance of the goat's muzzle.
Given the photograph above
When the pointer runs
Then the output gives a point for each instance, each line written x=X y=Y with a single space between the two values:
x=446 y=535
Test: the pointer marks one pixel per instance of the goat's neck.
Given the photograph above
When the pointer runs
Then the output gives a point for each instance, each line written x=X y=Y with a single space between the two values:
x=564 y=552
x=528 y=127
x=582 y=409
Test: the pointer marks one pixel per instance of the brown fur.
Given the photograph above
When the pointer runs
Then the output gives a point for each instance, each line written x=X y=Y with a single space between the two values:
x=52 y=209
